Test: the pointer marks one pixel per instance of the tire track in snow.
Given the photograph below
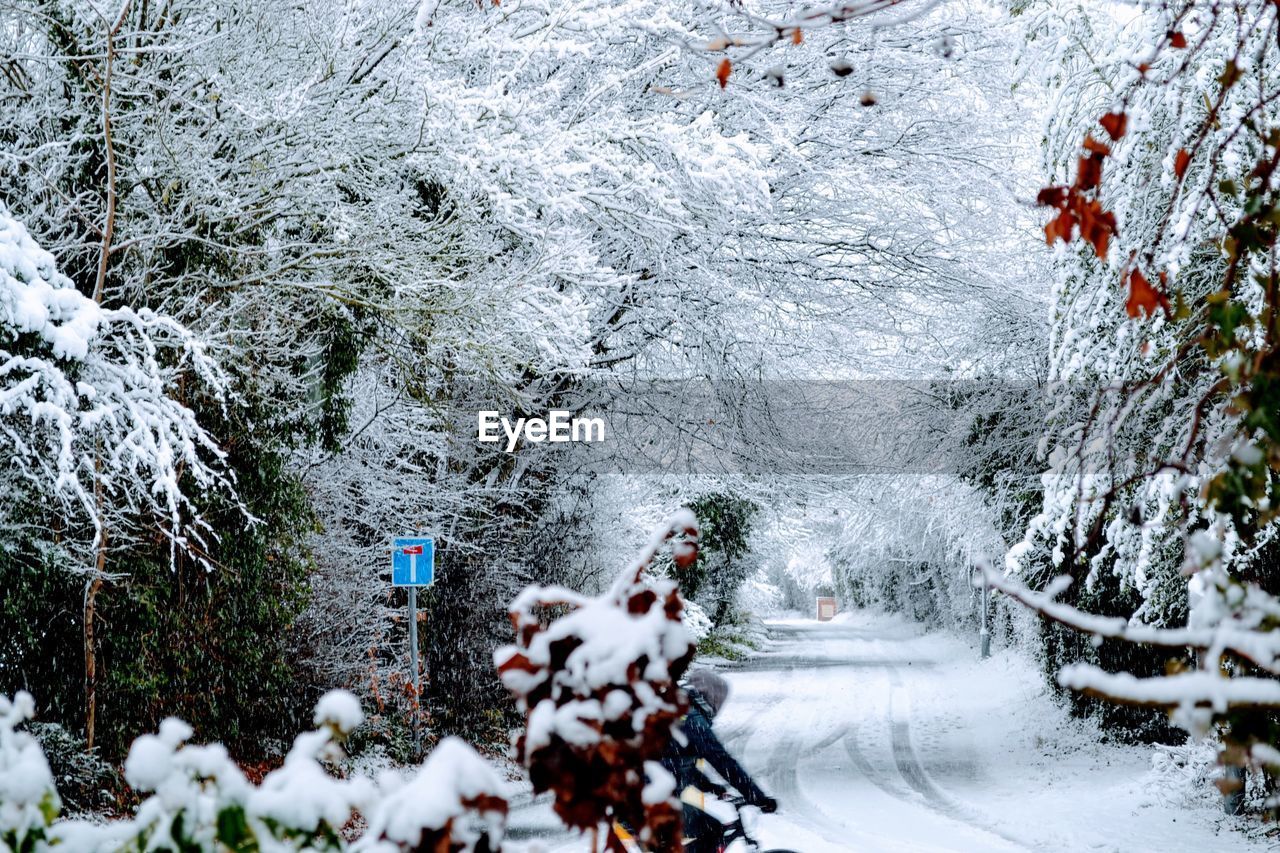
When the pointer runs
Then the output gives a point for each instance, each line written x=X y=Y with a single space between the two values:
x=914 y=774
x=784 y=767
x=868 y=770
x=781 y=776
x=780 y=769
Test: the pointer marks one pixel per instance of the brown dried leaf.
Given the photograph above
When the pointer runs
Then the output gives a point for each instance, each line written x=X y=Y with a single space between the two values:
x=641 y=602
x=1089 y=172
x=1060 y=227
x=1093 y=146
x=1180 y=162
x=1096 y=226
x=1143 y=298
x=1052 y=197
x=1114 y=124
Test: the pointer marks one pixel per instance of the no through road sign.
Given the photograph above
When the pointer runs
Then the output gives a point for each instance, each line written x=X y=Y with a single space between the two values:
x=412 y=562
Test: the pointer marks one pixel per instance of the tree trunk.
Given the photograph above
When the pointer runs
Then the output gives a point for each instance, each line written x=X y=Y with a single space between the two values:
x=90 y=648
x=99 y=289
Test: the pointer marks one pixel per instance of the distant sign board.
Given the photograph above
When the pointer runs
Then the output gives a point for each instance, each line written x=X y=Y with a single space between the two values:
x=413 y=561
x=826 y=609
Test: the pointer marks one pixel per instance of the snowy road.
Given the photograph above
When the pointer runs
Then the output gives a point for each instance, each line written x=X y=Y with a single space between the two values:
x=825 y=720
x=876 y=736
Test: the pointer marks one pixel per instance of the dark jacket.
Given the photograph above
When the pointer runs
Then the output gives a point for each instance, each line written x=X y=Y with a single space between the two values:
x=701 y=742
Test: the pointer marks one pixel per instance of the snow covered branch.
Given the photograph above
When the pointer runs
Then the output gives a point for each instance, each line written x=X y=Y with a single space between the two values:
x=1238 y=635
x=90 y=399
x=1185 y=690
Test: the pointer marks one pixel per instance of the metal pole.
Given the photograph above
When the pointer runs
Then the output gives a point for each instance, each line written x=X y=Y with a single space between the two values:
x=413 y=664
x=985 y=634
x=1233 y=796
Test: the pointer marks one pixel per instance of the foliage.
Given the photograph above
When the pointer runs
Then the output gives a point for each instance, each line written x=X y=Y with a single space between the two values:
x=597 y=686
x=28 y=800
x=201 y=801
x=724 y=524
x=177 y=639
x=1166 y=312
x=181 y=642
x=85 y=782
x=734 y=641
x=91 y=415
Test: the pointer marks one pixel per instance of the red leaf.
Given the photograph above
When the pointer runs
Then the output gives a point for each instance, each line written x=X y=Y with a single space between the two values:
x=516 y=661
x=1052 y=197
x=723 y=70
x=1114 y=124
x=641 y=602
x=1177 y=40
x=1089 y=174
x=1093 y=146
x=1096 y=226
x=1143 y=298
x=1180 y=162
x=1060 y=228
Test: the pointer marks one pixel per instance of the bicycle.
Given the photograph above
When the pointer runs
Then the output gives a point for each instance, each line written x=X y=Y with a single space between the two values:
x=736 y=829
x=733 y=831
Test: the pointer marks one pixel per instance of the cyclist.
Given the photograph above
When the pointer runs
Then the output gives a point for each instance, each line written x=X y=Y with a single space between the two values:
x=707 y=692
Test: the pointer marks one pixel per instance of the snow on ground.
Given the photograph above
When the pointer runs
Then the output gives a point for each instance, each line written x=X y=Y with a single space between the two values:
x=875 y=735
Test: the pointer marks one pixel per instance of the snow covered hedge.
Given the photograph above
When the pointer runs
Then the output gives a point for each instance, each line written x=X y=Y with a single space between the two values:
x=1164 y=151
x=200 y=800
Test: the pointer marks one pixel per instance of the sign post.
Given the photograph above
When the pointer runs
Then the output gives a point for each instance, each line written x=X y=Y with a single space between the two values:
x=984 y=633
x=413 y=565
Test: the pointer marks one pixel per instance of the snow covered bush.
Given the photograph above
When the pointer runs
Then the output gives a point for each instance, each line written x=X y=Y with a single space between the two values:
x=759 y=597
x=696 y=622
x=84 y=779
x=201 y=801
x=597 y=685
x=28 y=801
x=1182 y=774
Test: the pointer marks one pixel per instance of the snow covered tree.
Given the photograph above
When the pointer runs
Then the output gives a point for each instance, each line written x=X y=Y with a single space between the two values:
x=724 y=525
x=93 y=424
x=147 y=163
x=1162 y=483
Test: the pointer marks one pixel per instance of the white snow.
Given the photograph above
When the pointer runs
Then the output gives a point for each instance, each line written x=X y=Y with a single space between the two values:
x=302 y=793
x=341 y=709
x=660 y=784
x=194 y=788
x=1192 y=688
x=36 y=298
x=98 y=389
x=451 y=777
x=25 y=778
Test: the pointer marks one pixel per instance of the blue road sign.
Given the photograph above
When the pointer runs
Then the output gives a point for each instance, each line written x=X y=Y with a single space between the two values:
x=413 y=561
